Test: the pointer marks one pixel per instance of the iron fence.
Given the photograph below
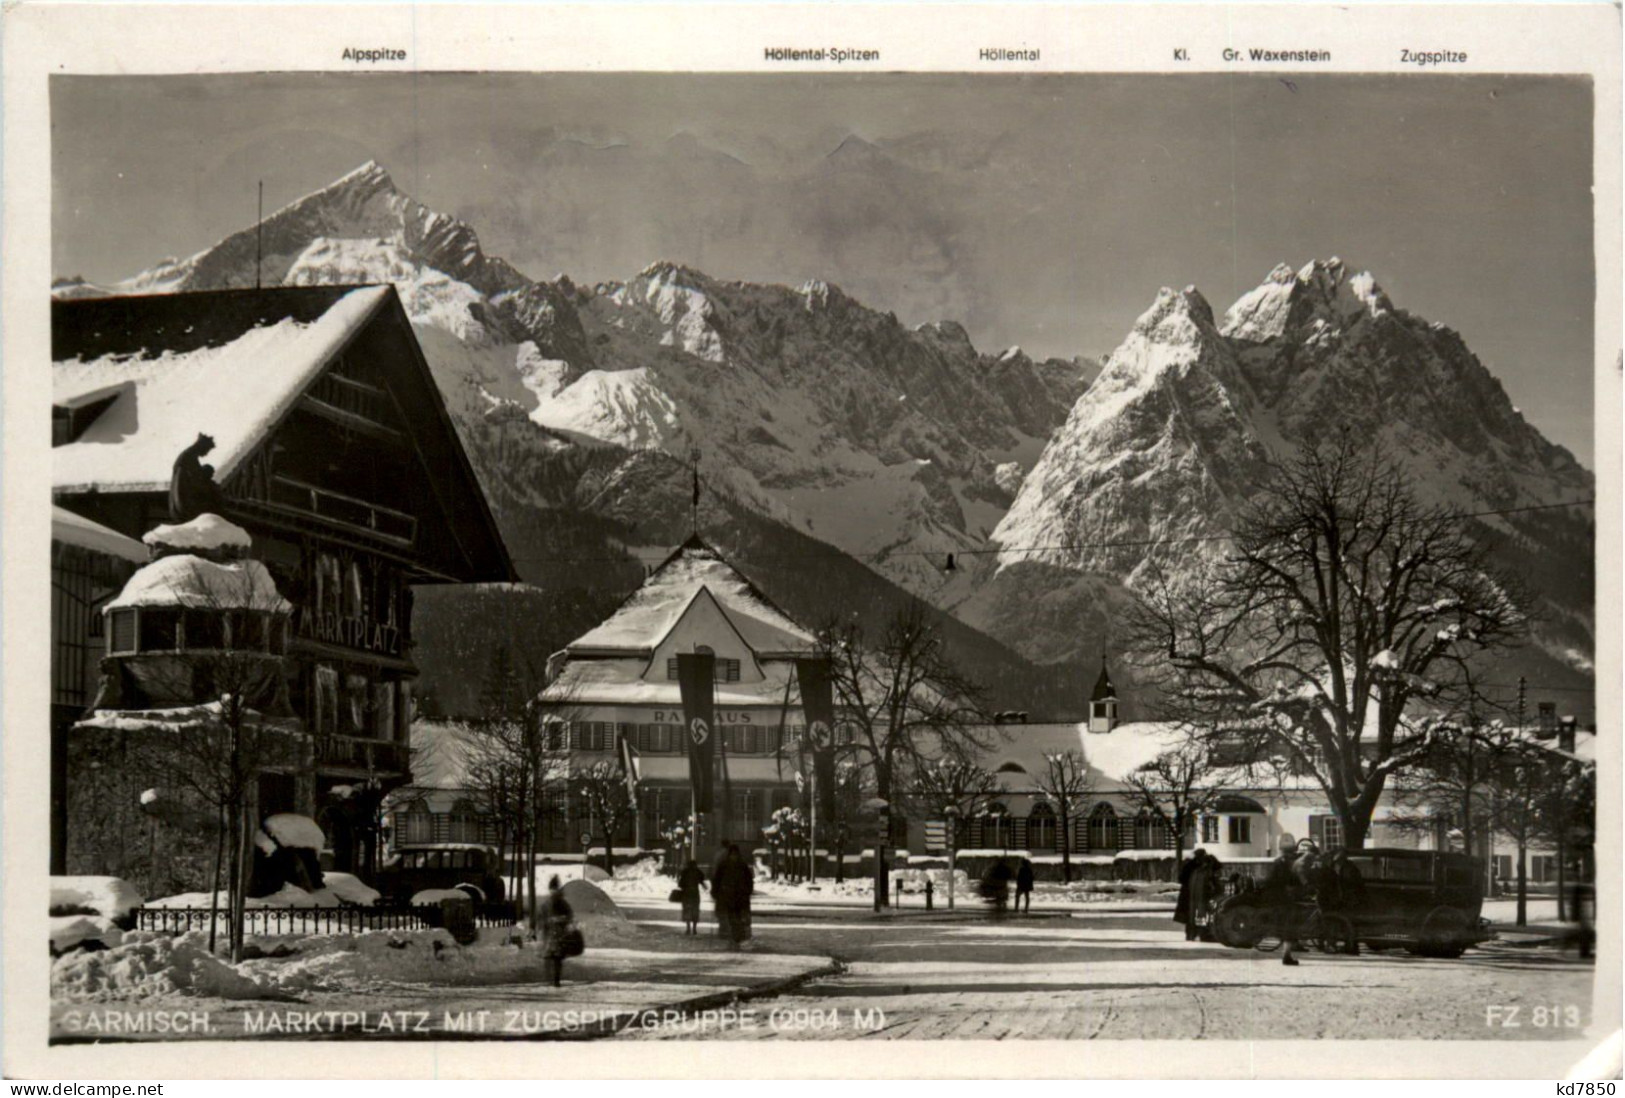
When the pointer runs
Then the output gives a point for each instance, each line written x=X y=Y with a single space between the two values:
x=268 y=921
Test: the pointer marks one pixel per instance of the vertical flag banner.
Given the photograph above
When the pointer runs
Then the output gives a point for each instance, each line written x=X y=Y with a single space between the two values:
x=630 y=767
x=695 y=677
x=818 y=703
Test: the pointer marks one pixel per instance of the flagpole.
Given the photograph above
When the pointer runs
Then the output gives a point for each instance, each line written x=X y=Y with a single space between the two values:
x=812 y=829
x=694 y=514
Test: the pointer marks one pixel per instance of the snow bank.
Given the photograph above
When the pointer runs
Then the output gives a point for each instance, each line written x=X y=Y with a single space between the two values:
x=148 y=966
x=199 y=584
x=589 y=902
x=286 y=896
x=291 y=895
x=291 y=830
x=207 y=532
x=350 y=889
x=108 y=896
x=431 y=897
x=381 y=958
x=68 y=931
x=641 y=886
x=642 y=869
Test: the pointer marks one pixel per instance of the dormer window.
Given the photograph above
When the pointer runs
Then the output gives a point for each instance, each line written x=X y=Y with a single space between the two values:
x=71 y=416
x=723 y=670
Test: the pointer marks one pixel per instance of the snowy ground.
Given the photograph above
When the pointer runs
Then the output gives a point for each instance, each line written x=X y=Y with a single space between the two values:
x=1110 y=969
x=1131 y=975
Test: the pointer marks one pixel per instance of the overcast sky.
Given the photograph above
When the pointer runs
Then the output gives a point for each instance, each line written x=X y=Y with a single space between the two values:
x=1041 y=211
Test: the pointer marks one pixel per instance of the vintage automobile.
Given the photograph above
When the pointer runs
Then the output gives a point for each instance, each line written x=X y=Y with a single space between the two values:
x=1425 y=901
x=416 y=867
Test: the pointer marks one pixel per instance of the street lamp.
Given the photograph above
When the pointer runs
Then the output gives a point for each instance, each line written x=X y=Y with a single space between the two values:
x=952 y=812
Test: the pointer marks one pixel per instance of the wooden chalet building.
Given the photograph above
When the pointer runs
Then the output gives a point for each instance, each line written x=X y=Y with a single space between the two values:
x=332 y=448
x=619 y=680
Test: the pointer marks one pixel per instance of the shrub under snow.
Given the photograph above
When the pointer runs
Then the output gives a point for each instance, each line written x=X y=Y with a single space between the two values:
x=293 y=831
x=109 y=896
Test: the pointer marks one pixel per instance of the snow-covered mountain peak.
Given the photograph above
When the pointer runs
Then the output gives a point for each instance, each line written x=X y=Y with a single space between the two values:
x=1177 y=316
x=665 y=270
x=369 y=176
x=823 y=296
x=1321 y=295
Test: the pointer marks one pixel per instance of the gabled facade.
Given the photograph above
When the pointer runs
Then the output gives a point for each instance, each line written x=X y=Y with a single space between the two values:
x=329 y=443
x=619 y=681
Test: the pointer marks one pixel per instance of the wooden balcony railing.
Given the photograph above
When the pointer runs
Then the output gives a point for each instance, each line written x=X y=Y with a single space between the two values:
x=335 y=507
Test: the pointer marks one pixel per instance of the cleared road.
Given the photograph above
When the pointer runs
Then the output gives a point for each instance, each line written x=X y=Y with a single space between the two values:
x=1133 y=976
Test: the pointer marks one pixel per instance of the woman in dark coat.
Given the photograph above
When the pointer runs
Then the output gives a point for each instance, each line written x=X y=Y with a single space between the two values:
x=1024 y=885
x=556 y=919
x=1182 y=907
x=688 y=884
x=731 y=886
x=1207 y=888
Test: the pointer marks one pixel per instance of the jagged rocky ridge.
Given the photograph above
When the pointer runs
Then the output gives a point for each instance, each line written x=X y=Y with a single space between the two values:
x=1177 y=432
x=816 y=414
x=830 y=416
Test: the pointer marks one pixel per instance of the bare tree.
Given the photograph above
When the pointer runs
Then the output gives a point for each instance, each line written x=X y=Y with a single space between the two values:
x=1519 y=798
x=1344 y=611
x=1065 y=783
x=601 y=787
x=1178 y=786
x=954 y=780
x=1568 y=820
x=1452 y=780
x=515 y=769
x=902 y=698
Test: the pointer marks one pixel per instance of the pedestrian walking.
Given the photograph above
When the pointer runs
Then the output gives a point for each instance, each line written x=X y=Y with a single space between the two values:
x=688 y=894
x=1282 y=889
x=1024 y=886
x=1182 y=905
x=558 y=927
x=731 y=885
x=1198 y=884
x=1207 y=890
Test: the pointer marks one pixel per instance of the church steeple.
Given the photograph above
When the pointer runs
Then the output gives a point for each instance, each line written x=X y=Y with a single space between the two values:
x=1103 y=702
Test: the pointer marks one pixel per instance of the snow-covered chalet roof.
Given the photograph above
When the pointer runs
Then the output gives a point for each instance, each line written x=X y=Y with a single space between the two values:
x=649 y=613
x=76 y=530
x=187 y=367
x=621 y=682
x=198 y=584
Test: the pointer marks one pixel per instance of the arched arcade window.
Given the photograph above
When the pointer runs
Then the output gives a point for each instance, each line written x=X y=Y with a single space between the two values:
x=1041 y=827
x=1101 y=832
